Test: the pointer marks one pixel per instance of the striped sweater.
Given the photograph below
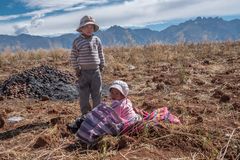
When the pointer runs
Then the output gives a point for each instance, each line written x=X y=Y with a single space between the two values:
x=87 y=53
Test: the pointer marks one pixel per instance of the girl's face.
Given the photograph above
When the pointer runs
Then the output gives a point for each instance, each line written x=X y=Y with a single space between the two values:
x=116 y=94
x=88 y=29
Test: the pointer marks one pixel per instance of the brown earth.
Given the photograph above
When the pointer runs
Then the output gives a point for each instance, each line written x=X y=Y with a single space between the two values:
x=199 y=83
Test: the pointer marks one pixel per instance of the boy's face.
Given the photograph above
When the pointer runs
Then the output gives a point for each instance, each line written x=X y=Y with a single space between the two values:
x=115 y=94
x=88 y=29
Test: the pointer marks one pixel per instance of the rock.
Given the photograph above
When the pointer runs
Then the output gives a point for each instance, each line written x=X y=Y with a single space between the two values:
x=222 y=96
x=1 y=98
x=199 y=82
x=168 y=82
x=206 y=62
x=217 y=94
x=199 y=119
x=8 y=110
x=52 y=111
x=216 y=81
x=42 y=141
x=131 y=67
x=45 y=98
x=160 y=86
x=157 y=79
x=15 y=119
x=55 y=120
x=225 y=98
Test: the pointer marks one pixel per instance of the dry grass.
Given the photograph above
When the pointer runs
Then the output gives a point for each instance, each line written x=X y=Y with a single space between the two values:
x=184 y=77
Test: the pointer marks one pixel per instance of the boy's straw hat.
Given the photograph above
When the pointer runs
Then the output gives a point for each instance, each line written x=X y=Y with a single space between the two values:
x=121 y=86
x=87 y=20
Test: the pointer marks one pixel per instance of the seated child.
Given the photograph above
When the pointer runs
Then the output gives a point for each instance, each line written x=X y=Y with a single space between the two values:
x=111 y=120
x=117 y=118
x=121 y=104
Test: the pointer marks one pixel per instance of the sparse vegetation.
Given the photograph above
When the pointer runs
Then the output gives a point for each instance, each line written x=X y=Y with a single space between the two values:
x=198 y=82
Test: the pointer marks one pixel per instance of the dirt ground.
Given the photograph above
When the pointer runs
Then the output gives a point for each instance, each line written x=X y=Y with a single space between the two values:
x=198 y=83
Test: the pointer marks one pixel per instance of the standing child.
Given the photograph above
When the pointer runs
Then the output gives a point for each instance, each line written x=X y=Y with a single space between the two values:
x=87 y=58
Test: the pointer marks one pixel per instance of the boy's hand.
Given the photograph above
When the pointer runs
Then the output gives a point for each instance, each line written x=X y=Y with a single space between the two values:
x=78 y=72
x=101 y=67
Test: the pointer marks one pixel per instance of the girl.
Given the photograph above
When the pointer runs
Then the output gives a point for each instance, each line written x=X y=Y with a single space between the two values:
x=111 y=120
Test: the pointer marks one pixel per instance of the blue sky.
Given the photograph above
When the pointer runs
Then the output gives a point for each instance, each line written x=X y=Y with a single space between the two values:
x=54 y=17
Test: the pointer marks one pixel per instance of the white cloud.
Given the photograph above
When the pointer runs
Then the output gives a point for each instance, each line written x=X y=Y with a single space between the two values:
x=74 y=8
x=49 y=6
x=3 y=18
x=129 y=13
x=7 y=29
x=59 y=3
x=28 y=14
x=20 y=29
x=140 y=12
x=35 y=22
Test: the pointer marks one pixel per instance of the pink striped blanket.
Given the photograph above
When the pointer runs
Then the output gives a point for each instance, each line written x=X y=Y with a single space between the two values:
x=104 y=120
x=100 y=121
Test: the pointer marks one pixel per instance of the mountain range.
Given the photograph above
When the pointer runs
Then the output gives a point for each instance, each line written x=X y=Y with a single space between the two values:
x=192 y=31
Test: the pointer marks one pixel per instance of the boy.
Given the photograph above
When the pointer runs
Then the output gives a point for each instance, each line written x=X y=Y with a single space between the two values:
x=87 y=58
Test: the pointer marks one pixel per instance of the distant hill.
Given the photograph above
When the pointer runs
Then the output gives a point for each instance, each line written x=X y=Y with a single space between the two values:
x=117 y=35
x=202 y=29
x=26 y=41
x=198 y=30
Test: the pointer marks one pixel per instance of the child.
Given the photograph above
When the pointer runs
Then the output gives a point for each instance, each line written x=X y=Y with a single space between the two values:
x=119 y=118
x=111 y=120
x=87 y=58
x=121 y=104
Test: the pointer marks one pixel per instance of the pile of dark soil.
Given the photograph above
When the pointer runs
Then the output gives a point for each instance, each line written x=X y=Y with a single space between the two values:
x=41 y=82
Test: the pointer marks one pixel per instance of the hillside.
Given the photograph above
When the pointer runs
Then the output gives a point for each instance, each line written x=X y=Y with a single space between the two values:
x=199 y=83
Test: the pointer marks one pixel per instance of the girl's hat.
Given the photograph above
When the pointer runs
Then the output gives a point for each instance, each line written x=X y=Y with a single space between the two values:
x=121 y=86
x=87 y=20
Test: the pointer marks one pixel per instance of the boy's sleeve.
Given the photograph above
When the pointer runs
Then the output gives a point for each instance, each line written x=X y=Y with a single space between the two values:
x=101 y=54
x=73 y=56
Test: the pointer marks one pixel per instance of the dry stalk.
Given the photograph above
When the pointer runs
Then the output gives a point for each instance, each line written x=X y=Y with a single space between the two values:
x=222 y=154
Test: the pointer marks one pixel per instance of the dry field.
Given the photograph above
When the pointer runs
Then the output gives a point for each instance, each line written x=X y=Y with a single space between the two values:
x=200 y=83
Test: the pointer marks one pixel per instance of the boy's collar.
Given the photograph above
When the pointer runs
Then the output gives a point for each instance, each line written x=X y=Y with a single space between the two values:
x=85 y=36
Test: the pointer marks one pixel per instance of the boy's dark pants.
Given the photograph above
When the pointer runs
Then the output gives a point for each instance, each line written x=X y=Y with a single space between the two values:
x=89 y=83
